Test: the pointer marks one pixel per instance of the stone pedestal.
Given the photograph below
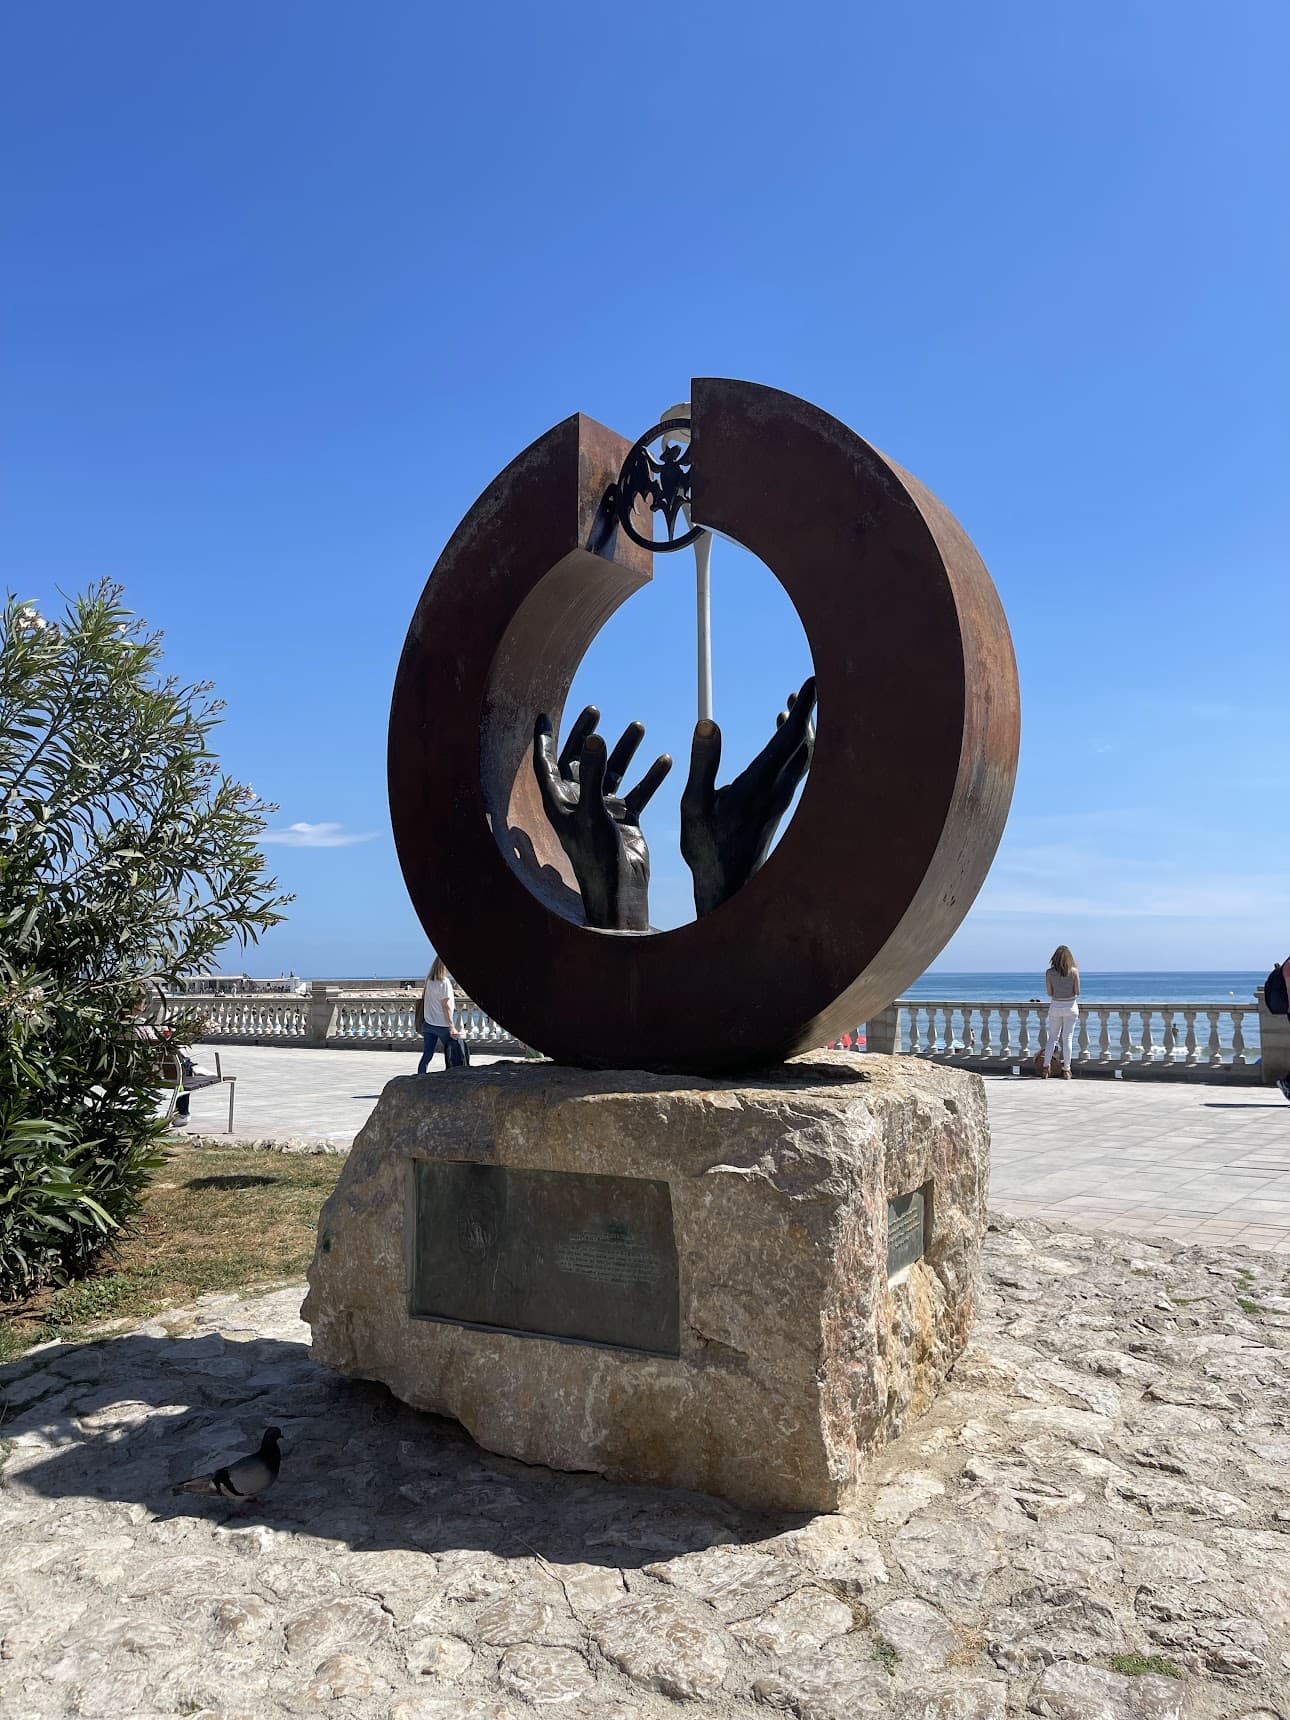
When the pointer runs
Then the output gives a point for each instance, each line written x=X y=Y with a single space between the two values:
x=668 y=1280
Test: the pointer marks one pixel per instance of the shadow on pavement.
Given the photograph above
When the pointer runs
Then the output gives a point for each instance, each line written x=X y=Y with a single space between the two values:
x=1240 y=1105
x=126 y=1419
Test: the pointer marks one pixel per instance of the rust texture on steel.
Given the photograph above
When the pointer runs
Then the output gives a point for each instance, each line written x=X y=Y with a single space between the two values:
x=899 y=817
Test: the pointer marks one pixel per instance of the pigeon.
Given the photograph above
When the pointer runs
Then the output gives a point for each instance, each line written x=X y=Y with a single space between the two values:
x=249 y=1475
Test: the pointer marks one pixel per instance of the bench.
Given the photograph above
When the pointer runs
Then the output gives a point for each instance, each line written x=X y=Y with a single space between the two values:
x=172 y=1070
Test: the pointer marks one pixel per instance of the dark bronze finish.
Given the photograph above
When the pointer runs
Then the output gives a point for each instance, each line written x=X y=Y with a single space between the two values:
x=906 y=1232
x=599 y=832
x=726 y=833
x=661 y=483
x=551 y=1253
x=900 y=815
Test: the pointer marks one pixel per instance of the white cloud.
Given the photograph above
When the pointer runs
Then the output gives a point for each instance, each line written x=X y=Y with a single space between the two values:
x=1215 y=900
x=317 y=836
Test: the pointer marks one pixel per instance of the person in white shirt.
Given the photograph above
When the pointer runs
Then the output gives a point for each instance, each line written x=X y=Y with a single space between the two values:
x=437 y=1006
x=1062 y=980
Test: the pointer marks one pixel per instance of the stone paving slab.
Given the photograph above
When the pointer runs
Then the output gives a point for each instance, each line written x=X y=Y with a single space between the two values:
x=300 y=1092
x=1091 y=1523
x=1202 y=1163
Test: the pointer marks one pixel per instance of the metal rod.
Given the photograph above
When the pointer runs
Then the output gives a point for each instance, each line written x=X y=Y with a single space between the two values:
x=703 y=603
x=702 y=585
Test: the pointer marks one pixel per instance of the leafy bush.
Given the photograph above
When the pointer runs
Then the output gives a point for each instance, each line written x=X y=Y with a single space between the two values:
x=126 y=858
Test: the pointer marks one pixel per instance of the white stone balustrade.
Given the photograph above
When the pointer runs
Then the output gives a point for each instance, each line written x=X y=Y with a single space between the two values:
x=1153 y=1041
x=267 y=1019
x=330 y=1017
x=1182 y=1041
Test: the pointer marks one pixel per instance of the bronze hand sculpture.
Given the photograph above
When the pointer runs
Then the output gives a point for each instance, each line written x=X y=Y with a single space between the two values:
x=599 y=832
x=726 y=833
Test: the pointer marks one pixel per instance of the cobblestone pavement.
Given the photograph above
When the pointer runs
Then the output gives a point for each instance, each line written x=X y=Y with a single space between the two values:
x=1091 y=1523
x=1208 y=1164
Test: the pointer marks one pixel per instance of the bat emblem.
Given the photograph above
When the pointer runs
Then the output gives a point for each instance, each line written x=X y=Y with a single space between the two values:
x=661 y=481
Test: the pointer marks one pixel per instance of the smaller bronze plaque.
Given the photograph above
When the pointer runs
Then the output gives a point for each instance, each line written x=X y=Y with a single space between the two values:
x=562 y=1254
x=906 y=1232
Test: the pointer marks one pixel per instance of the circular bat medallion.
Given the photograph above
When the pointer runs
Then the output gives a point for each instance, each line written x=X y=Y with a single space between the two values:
x=900 y=815
x=661 y=481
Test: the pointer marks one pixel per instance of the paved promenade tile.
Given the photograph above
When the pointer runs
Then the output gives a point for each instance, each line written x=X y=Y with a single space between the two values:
x=1202 y=1164
x=299 y=1092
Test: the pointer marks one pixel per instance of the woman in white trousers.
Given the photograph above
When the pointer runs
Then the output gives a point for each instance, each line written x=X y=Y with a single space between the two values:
x=1062 y=980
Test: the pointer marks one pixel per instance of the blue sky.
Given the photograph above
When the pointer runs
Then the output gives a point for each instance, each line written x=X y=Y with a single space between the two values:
x=286 y=285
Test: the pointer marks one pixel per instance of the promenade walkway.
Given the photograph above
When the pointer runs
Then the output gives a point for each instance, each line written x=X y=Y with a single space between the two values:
x=1197 y=1163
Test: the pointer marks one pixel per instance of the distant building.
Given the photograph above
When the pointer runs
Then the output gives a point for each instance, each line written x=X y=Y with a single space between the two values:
x=235 y=984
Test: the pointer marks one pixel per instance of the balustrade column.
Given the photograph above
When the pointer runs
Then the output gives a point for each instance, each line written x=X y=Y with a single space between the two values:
x=1192 y=1055
x=1170 y=1038
x=987 y=1035
x=323 y=1005
x=1239 y=1059
x=882 y=1031
x=1103 y=1034
x=1126 y=1048
x=1215 y=1047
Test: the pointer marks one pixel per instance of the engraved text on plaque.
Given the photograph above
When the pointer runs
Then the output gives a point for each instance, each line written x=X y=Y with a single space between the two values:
x=906 y=1232
x=555 y=1253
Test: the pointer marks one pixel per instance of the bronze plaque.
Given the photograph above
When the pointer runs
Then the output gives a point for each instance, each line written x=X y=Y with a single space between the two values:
x=559 y=1254
x=906 y=1232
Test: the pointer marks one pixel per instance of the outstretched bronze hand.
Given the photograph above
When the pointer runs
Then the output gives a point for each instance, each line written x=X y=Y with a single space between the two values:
x=726 y=833
x=599 y=832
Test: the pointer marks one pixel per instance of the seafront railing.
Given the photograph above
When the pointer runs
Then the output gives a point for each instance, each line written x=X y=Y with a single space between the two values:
x=1225 y=1041
x=327 y=1017
x=268 y=1019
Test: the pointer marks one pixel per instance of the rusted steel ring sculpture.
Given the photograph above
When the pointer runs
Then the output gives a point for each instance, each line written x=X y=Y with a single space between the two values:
x=899 y=817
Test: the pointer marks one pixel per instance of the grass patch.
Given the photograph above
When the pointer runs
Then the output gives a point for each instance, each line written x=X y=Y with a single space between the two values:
x=1248 y=1307
x=1144 y=1665
x=216 y=1218
x=886 y=1656
x=96 y=1299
